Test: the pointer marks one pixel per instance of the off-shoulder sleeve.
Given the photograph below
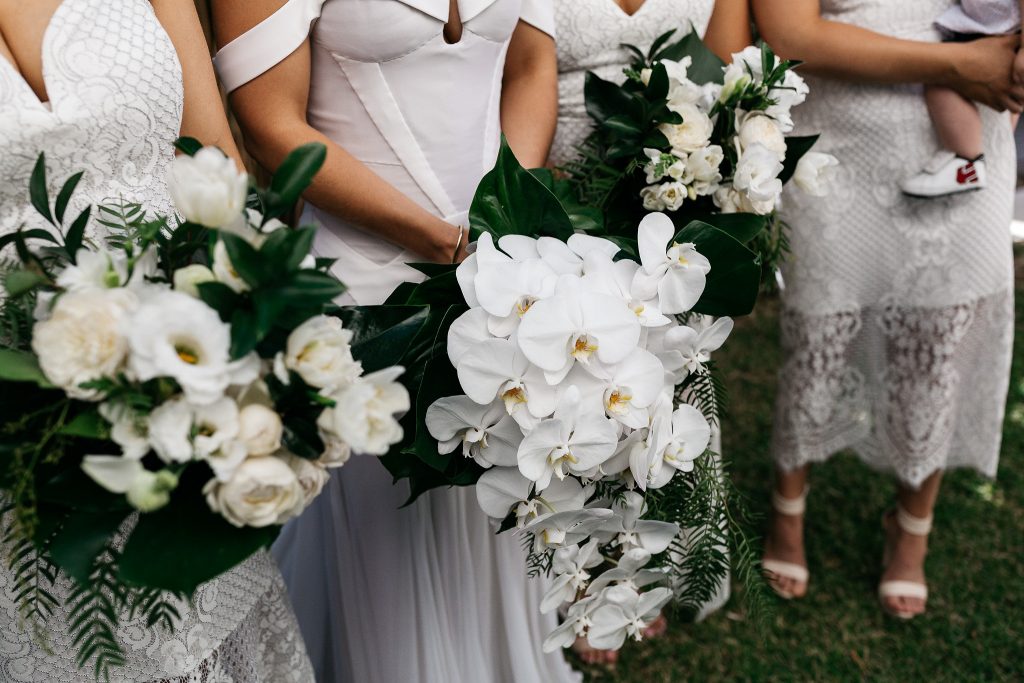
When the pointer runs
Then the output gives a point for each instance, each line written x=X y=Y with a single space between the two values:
x=266 y=44
x=539 y=14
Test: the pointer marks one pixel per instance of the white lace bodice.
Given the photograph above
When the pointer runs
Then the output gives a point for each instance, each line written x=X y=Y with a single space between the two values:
x=115 y=89
x=590 y=33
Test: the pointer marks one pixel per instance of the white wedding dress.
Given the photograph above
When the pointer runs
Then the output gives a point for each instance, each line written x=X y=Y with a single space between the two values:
x=115 y=90
x=590 y=38
x=426 y=593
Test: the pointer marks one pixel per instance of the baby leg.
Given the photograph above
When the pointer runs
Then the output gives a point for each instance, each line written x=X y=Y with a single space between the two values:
x=957 y=122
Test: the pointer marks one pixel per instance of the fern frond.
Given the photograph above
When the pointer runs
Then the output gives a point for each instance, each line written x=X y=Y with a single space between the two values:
x=95 y=608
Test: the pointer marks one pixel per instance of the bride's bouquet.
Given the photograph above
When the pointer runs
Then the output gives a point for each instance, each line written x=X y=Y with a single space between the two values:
x=691 y=136
x=568 y=377
x=171 y=395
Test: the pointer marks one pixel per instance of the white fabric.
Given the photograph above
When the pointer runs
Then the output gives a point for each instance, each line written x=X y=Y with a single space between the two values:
x=981 y=17
x=590 y=33
x=426 y=593
x=115 y=89
x=897 y=324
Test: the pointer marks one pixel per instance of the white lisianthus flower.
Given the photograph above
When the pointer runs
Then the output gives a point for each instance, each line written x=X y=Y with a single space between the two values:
x=757 y=178
x=814 y=172
x=208 y=188
x=174 y=335
x=170 y=431
x=188 y=279
x=259 y=429
x=146 y=491
x=748 y=61
x=311 y=475
x=690 y=135
x=756 y=128
x=127 y=429
x=672 y=195
x=685 y=349
x=487 y=433
x=364 y=414
x=624 y=613
x=703 y=167
x=319 y=351
x=98 y=269
x=262 y=492
x=676 y=273
x=84 y=339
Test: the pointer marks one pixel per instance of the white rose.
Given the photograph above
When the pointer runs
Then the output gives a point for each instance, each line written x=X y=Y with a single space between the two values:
x=364 y=412
x=690 y=135
x=813 y=173
x=336 y=452
x=702 y=166
x=757 y=177
x=312 y=477
x=208 y=188
x=173 y=335
x=259 y=429
x=318 y=350
x=263 y=491
x=757 y=129
x=187 y=279
x=84 y=339
x=672 y=195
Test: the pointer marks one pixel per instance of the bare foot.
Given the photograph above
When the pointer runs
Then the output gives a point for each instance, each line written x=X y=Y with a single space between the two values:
x=906 y=553
x=593 y=656
x=657 y=628
x=785 y=543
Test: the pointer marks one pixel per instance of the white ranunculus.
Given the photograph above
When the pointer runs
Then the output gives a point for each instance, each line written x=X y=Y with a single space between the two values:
x=364 y=413
x=208 y=188
x=703 y=167
x=487 y=433
x=188 y=279
x=259 y=429
x=311 y=475
x=98 y=269
x=84 y=339
x=672 y=195
x=319 y=351
x=174 y=335
x=262 y=492
x=690 y=135
x=676 y=273
x=814 y=172
x=757 y=129
x=757 y=178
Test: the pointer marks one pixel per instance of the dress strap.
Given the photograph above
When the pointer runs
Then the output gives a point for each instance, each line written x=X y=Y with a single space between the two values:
x=540 y=14
x=266 y=44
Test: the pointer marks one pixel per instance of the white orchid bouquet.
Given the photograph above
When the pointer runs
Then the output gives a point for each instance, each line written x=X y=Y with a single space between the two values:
x=172 y=394
x=572 y=383
x=701 y=140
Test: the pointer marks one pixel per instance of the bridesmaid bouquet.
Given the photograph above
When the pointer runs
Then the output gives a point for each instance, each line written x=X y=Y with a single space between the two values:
x=699 y=139
x=171 y=396
x=568 y=376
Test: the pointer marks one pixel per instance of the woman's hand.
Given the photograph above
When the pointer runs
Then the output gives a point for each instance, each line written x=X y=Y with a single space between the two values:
x=983 y=72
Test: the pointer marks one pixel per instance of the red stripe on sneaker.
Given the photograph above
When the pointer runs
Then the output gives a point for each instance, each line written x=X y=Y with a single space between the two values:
x=967 y=174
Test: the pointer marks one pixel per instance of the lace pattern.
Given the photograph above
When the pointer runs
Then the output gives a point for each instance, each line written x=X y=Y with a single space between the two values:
x=898 y=314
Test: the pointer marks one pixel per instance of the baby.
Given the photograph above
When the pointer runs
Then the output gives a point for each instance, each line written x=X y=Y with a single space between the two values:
x=960 y=165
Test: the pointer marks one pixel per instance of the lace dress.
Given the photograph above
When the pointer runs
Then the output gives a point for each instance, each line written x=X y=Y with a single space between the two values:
x=897 y=324
x=115 y=90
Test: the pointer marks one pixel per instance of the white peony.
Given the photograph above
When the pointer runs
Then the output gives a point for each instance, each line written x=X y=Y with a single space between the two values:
x=259 y=429
x=263 y=491
x=813 y=173
x=84 y=339
x=364 y=413
x=690 y=135
x=319 y=351
x=174 y=335
x=208 y=188
x=757 y=129
x=187 y=279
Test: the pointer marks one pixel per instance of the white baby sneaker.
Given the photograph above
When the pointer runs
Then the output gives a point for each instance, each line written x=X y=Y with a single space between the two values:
x=947 y=174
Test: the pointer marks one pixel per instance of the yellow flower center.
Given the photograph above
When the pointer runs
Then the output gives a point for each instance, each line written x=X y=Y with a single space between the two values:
x=187 y=353
x=583 y=349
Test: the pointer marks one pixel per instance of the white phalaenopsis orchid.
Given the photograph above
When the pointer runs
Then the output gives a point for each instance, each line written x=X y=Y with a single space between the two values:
x=684 y=349
x=504 y=490
x=628 y=529
x=559 y=529
x=675 y=272
x=486 y=432
x=576 y=624
x=679 y=443
x=623 y=613
x=570 y=565
x=498 y=369
x=631 y=571
x=630 y=387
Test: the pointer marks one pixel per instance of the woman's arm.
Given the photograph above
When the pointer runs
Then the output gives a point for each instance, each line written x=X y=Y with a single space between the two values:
x=979 y=70
x=529 y=95
x=729 y=29
x=203 y=118
x=271 y=110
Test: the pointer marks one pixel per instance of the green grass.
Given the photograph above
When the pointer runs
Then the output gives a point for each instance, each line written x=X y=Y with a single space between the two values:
x=974 y=628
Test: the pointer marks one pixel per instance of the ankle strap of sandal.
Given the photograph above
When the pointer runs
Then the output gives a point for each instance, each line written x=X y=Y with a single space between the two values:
x=790 y=506
x=918 y=526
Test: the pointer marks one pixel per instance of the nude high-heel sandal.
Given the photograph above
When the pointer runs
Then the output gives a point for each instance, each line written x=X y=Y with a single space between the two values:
x=778 y=568
x=918 y=526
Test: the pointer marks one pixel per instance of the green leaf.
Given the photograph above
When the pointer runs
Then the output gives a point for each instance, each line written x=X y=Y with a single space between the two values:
x=220 y=298
x=21 y=281
x=87 y=425
x=311 y=287
x=605 y=99
x=510 y=200
x=302 y=438
x=188 y=146
x=243 y=332
x=21 y=366
x=247 y=261
x=73 y=240
x=706 y=66
x=733 y=283
x=382 y=334
x=439 y=380
x=658 y=43
x=584 y=218
x=83 y=536
x=286 y=248
x=743 y=227
x=796 y=148
x=294 y=175
x=37 y=191
x=64 y=196
x=34 y=233
x=624 y=125
x=185 y=544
